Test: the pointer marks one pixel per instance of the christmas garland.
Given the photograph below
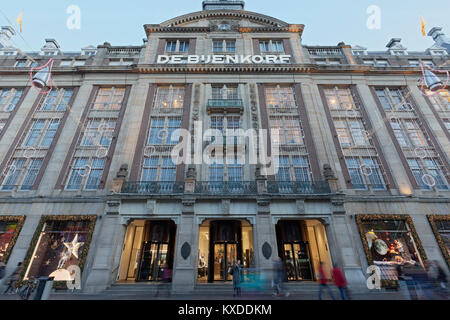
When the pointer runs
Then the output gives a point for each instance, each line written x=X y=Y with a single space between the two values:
x=432 y=219
x=20 y=221
x=361 y=218
x=37 y=233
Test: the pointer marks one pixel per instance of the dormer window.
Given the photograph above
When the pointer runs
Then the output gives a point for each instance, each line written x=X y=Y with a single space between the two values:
x=271 y=46
x=9 y=53
x=224 y=27
x=438 y=52
x=177 y=46
x=359 y=53
x=72 y=63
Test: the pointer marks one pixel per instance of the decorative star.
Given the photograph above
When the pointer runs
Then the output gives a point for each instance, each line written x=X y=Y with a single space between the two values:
x=74 y=246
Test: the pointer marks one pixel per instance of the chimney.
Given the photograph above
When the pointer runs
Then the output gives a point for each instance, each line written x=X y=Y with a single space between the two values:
x=439 y=38
x=6 y=34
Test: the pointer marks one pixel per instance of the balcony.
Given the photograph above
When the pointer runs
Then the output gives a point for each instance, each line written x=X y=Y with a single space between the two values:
x=219 y=188
x=298 y=187
x=226 y=188
x=225 y=106
x=153 y=188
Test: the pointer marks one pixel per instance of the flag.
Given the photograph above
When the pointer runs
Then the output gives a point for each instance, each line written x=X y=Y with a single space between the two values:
x=423 y=26
x=19 y=20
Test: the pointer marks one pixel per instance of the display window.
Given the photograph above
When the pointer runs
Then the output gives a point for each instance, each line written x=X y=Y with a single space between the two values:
x=441 y=229
x=58 y=243
x=10 y=227
x=390 y=241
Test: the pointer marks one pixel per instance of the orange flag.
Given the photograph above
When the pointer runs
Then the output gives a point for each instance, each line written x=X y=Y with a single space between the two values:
x=423 y=26
x=19 y=20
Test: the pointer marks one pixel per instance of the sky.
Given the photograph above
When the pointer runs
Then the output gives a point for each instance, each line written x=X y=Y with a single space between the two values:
x=327 y=22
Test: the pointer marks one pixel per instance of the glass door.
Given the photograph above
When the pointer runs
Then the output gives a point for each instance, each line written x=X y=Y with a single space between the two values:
x=224 y=256
x=153 y=260
x=297 y=262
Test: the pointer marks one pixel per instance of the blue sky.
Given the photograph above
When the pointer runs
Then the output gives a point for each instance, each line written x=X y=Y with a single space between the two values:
x=327 y=22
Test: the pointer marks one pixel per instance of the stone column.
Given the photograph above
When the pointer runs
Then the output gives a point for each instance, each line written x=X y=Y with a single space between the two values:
x=109 y=237
x=348 y=256
x=185 y=256
x=264 y=240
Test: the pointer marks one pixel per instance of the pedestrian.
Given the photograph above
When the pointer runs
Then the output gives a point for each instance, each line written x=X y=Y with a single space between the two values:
x=340 y=282
x=2 y=270
x=279 y=277
x=165 y=274
x=13 y=278
x=438 y=278
x=236 y=272
x=323 y=282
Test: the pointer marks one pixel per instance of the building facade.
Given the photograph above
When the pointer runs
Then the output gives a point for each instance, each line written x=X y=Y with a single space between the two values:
x=89 y=177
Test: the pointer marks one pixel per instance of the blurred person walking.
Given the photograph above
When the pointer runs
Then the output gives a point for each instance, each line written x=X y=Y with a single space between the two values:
x=13 y=278
x=323 y=282
x=341 y=282
x=279 y=275
x=236 y=272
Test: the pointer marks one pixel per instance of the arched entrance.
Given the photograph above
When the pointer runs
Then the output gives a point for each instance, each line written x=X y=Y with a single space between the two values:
x=221 y=242
x=302 y=245
x=148 y=249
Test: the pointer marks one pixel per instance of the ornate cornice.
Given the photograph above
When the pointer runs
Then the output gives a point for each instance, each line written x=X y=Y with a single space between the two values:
x=305 y=68
x=226 y=14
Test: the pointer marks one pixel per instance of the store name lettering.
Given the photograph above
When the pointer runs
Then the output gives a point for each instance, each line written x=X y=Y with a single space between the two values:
x=224 y=59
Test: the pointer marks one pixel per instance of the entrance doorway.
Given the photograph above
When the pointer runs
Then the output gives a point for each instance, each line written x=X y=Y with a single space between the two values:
x=148 y=250
x=302 y=245
x=221 y=243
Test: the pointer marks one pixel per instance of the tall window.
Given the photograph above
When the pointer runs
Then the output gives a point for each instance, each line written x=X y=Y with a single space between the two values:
x=93 y=145
x=227 y=92
x=271 y=46
x=85 y=173
x=428 y=173
x=441 y=101
x=9 y=99
x=293 y=168
x=56 y=100
x=41 y=133
x=157 y=164
x=289 y=129
x=22 y=174
x=412 y=137
x=158 y=168
x=393 y=99
x=408 y=133
x=354 y=139
x=280 y=97
x=171 y=98
x=162 y=131
x=109 y=99
x=99 y=132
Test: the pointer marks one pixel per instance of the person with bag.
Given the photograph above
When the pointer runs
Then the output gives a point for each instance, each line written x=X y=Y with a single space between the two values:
x=236 y=272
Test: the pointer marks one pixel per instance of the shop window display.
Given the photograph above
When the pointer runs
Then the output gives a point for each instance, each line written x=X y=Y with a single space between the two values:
x=390 y=242
x=58 y=244
x=9 y=229
x=441 y=229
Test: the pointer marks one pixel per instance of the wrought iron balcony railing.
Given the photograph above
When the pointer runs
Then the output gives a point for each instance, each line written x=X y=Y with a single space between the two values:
x=145 y=187
x=226 y=187
x=298 y=187
x=228 y=105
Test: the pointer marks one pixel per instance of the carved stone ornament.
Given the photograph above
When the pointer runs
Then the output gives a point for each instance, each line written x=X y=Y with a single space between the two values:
x=266 y=250
x=185 y=251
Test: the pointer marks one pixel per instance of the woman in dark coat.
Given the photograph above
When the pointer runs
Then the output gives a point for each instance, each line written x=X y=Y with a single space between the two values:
x=236 y=271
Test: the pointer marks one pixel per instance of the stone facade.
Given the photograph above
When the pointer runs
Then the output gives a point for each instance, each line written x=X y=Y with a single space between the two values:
x=335 y=206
